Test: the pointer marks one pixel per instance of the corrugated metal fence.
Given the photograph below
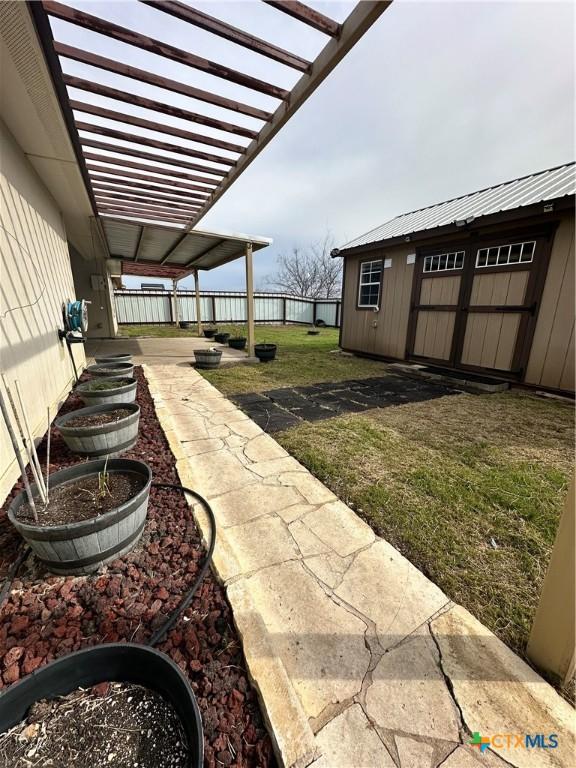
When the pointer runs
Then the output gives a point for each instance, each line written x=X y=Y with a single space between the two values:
x=157 y=307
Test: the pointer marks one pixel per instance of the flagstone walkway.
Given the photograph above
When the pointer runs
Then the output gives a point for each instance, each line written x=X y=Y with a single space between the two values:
x=359 y=659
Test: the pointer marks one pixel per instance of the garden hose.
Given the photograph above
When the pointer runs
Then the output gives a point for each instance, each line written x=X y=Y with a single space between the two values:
x=187 y=599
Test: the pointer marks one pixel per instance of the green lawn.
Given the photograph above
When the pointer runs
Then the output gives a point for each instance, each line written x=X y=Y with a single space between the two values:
x=467 y=487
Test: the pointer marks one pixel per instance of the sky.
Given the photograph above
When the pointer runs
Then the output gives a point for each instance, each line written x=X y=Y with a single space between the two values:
x=438 y=99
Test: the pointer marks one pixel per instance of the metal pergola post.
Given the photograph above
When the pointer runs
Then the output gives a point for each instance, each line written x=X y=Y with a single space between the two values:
x=197 y=296
x=250 y=299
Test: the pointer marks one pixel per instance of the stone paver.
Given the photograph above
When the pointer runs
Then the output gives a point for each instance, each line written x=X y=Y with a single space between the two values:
x=358 y=658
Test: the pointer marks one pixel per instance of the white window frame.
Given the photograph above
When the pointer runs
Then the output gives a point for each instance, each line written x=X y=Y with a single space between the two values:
x=362 y=284
x=500 y=250
x=429 y=260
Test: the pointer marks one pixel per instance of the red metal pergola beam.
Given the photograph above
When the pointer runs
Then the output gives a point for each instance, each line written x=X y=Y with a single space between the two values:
x=140 y=122
x=141 y=213
x=149 y=168
x=147 y=181
x=94 y=60
x=228 y=32
x=167 y=146
x=307 y=15
x=118 y=184
x=157 y=106
x=145 y=43
x=123 y=197
x=142 y=155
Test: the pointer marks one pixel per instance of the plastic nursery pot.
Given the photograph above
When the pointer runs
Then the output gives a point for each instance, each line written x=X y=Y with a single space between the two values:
x=207 y=358
x=237 y=343
x=119 y=358
x=221 y=338
x=313 y=332
x=112 y=662
x=109 y=439
x=265 y=352
x=82 y=547
x=121 y=393
x=209 y=333
x=110 y=369
x=184 y=324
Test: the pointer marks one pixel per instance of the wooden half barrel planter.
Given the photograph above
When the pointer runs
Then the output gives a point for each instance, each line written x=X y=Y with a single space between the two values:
x=108 y=389
x=108 y=439
x=207 y=358
x=119 y=358
x=111 y=369
x=84 y=546
x=111 y=662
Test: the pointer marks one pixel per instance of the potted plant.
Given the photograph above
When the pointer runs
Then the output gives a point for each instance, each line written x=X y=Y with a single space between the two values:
x=185 y=324
x=210 y=331
x=265 y=352
x=104 y=390
x=221 y=338
x=100 y=430
x=237 y=338
x=110 y=369
x=125 y=665
x=95 y=513
x=121 y=357
x=207 y=358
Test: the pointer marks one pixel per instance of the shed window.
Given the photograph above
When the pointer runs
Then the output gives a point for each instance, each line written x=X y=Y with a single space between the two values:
x=444 y=262
x=502 y=255
x=369 y=289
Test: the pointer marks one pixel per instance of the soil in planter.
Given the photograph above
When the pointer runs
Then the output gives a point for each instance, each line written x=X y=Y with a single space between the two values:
x=104 y=369
x=98 y=419
x=83 y=499
x=96 y=386
x=118 y=725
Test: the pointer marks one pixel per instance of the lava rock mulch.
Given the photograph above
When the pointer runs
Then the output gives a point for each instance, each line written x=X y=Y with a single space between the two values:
x=44 y=617
x=279 y=409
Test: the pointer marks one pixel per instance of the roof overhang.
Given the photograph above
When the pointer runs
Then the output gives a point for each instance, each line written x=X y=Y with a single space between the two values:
x=538 y=212
x=156 y=250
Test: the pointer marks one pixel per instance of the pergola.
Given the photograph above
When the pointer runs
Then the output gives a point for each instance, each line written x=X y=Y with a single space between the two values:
x=145 y=164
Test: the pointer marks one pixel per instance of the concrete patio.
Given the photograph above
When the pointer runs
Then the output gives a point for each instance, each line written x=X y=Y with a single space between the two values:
x=359 y=659
x=164 y=351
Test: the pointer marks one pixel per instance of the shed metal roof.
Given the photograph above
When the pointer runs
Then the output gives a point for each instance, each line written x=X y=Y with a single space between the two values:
x=535 y=188
x=156 y=250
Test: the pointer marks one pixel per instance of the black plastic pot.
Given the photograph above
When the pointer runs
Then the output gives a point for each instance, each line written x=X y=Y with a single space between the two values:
x=184 y=324
x=265 y=352
x=209 y=333
x=114 y=662
x=221 y=338
x=313 y=333
x=82 y=547
x=238 y=343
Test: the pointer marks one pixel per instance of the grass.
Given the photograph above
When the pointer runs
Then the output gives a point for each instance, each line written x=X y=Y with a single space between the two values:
x=469 y=488
x=301 y=359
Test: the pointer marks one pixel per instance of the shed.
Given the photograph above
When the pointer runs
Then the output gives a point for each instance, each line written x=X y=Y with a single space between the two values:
x=482 y=283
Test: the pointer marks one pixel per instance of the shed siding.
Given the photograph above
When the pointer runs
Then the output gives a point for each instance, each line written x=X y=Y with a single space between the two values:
x=551 y=362
x=384 y=332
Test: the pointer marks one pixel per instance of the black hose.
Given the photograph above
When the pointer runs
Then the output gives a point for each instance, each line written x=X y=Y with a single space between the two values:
x=24 y=552
x=188 y=597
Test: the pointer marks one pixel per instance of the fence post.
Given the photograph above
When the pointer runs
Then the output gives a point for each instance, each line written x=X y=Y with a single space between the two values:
x=337 y=320
x=284 y=311
x=214 y=318
x=313 y=311
x=551 y=643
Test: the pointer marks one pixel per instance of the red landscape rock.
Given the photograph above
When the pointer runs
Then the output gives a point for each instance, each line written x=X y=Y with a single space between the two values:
x=45 y=617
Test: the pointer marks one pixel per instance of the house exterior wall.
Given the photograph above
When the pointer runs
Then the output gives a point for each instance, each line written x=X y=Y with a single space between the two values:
x=385 y=333
x=35 y=278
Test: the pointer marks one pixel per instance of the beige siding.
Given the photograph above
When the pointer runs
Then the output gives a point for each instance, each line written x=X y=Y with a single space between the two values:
x=551 y=362
x=434 y=331
x=490 y=339
x=35 y=278
x=384 y=332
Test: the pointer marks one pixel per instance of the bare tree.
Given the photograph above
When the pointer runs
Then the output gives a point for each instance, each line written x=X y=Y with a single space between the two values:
x=309 y=272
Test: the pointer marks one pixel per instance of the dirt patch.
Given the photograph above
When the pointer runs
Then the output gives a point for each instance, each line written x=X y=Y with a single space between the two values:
x=84 y=499
x=99 y=419
x=45 y=616
x=112 y=724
